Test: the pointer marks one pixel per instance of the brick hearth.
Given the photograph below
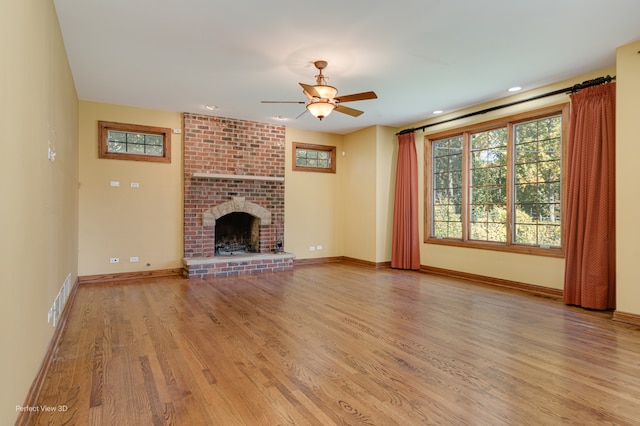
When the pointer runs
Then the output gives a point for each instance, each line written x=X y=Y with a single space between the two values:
x=223 y=266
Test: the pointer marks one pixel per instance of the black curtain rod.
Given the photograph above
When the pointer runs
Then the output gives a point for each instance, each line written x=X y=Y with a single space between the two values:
x=572 y=89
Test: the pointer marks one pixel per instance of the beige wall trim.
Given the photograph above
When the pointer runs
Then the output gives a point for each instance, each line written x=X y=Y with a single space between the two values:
x=345 y=259
x=627 y=317
x=33 y=396
x=317 y=261
x=515 y=285
x=361 y=262
x=102 y=278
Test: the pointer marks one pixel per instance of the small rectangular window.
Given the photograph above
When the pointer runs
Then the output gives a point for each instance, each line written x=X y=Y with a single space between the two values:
x=134 y=142
x=314 y=158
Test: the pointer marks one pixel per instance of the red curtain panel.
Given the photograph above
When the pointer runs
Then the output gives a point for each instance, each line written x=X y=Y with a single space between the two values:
x=405 y=251
x=590 y=268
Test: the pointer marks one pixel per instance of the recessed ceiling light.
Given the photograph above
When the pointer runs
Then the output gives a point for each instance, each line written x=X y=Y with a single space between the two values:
x=515 y=89
x=438 y=111
x=279 y=118
x=211 y=107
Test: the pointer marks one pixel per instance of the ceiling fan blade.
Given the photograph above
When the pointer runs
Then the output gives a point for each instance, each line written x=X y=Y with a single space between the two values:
x=282 y=102
x=357 y=97
x=349 y=111
x=310 y=91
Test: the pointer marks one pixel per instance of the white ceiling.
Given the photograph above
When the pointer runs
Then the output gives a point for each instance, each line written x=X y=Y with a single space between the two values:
x=417 y=55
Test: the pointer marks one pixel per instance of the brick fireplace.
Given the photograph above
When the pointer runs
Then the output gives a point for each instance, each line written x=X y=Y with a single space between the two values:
x=233 y=174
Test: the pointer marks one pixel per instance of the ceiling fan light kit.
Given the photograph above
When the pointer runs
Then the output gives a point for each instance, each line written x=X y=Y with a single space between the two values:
x=320 y=109
x=322 y=99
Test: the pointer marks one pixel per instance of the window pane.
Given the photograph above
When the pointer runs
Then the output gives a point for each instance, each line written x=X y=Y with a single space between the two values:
x=527 y=153
x=497 y=232
x=526 y=172
x=550 y=235
x=479 y=231
x=497 y=194
x=479 y=213
x=117 y=136
x=135 y=138
x=526 y=234
x=478 y=177
x=447 y=183
x=526 y=193
x=549 y=171
x=537 y=182
x=550 y=149
x=527 y=132
x=488 y=185
x=155 y=140
x=154 y=150
x=116 y=147
x=455 y=230
x=134 y=148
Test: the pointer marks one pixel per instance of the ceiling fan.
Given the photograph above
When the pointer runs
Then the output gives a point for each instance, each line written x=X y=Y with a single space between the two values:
x=322 y=99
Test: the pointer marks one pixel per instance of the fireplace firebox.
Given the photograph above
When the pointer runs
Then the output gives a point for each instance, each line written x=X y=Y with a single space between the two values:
x=237 y=233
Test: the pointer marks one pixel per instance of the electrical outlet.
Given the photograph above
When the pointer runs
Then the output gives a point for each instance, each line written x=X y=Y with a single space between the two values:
x=133 y=259
x=114 y=260
x=312 y=248
x=318 y=247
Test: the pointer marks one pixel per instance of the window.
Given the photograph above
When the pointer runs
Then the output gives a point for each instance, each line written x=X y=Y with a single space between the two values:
x=134 y=142
x=314 y=158
x=498 y=185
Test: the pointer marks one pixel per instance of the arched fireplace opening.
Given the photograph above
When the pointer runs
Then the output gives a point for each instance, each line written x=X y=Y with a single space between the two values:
x=237 y=233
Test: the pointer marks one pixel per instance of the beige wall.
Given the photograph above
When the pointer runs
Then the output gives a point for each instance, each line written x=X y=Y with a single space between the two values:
x=348 y=213
x=627 y=177
x=124 y=222
x=537 y=270
x=38 y=214
x=313 y=201
x=359 y=196
x=386 y=159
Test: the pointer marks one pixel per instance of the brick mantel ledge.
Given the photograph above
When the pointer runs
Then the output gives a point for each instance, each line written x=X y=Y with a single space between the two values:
x=236 y=177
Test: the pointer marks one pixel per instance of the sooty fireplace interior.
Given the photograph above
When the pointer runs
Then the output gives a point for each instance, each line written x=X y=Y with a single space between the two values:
x=237 y=233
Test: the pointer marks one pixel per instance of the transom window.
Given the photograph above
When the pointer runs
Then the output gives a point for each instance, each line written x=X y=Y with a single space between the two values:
x=134 y=142
x=498 y=185
x=314 y=158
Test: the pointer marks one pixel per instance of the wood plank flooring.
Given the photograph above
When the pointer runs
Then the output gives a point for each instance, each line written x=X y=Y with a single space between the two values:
x=337 y=344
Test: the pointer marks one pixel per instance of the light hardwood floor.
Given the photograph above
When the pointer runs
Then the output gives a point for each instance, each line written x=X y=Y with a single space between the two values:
x=337 y=344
